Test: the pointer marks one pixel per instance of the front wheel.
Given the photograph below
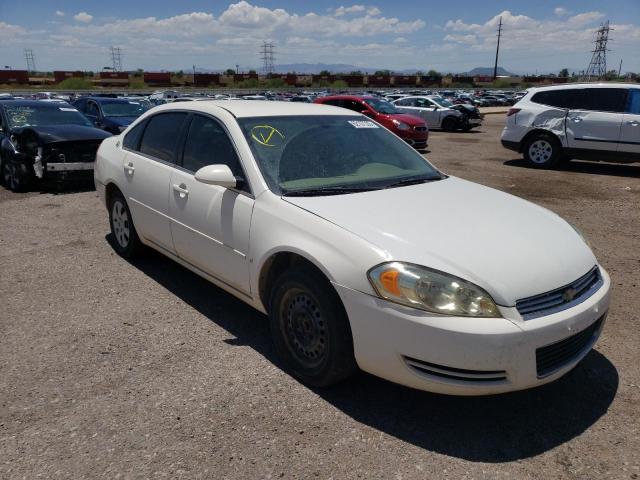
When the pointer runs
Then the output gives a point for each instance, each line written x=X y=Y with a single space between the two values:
x=449 y=124
x=16 y=176
x=126 y=240
x=310 y=328
x=542 y=151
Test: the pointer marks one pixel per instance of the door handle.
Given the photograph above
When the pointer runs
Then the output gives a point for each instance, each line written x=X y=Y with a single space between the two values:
x=129 y=168
x=181 y=189
x=633 y=123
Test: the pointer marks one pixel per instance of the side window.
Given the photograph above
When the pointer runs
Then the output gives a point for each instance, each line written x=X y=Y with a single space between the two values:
x=335 y=103
x=405 y=102
x=353 y=105
x=605 y=99
x=634 y=101
x=81 y=105
x=132 y=139
x=160 y=138
x=92 y=109
x=208 y=144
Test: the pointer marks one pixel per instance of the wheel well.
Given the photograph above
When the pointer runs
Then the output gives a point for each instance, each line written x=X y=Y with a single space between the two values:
x=535 y=133
x=275 y=266
x=110 y=190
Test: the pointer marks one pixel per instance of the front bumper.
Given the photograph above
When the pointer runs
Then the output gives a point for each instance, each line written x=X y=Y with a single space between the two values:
x=461 y=355
x=69 y=167
x=515 y=146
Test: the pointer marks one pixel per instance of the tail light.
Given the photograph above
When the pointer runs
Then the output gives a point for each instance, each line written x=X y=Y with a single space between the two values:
x=513 y=111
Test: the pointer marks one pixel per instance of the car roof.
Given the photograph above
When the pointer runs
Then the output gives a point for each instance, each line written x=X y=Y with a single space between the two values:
x=347 y=97
x=566 y=86
x=107 y=99
x=251 y=108
x=32 y=103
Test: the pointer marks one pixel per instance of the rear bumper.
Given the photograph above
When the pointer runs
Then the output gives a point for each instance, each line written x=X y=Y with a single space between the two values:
x=515 y=146
x=469 y=356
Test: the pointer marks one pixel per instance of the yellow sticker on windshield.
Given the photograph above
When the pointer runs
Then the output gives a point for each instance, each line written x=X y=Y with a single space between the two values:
x=267 y=135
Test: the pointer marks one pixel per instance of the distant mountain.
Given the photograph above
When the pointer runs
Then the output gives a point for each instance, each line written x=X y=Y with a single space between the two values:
x=488 y=71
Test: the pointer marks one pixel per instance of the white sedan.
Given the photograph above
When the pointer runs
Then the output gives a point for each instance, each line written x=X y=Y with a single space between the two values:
x=360 y=251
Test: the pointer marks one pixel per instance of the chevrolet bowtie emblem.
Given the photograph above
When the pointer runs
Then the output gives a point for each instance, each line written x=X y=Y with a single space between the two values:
x=569 y=294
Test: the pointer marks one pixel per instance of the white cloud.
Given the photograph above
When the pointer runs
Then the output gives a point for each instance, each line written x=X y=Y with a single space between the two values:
x=373 y=11
x=340 y=11
x=561 y=11
x=83 y=17
x=59 y=13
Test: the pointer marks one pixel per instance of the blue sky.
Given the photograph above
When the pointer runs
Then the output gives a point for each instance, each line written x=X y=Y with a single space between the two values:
x=539 y=36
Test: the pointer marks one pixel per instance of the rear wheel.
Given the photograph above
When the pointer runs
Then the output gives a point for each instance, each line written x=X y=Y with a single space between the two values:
x=542 y=151
x=310 y=328
x=126 y=241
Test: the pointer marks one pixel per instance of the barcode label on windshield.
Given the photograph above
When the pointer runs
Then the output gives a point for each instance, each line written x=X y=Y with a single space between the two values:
x=363 y=124
x=67 y=109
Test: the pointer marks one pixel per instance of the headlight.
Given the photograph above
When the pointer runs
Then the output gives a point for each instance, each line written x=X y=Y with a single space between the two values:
x=431 y=290
x=401 y=125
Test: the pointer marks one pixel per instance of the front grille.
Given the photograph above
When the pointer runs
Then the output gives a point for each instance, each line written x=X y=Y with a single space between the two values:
x=72 y=152
x=452 y=373
x=561 y=298
x=420 y=129
x=553 y=357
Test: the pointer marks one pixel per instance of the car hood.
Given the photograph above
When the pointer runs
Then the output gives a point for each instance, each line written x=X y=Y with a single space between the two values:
x=508 y=246
x=120 y=121
x=412 y=120
x=62 y=133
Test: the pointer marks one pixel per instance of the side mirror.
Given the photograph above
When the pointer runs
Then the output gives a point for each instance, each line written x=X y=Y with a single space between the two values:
x=216 y=175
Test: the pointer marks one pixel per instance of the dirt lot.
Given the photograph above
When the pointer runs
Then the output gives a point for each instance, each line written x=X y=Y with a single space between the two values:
x=143 y=370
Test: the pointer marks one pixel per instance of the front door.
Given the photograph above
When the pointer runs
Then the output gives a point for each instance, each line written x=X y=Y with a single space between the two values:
x=630 y=131
x=210 y=224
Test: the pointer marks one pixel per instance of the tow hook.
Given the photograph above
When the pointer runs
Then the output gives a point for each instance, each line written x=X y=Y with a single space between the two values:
x=37 y=164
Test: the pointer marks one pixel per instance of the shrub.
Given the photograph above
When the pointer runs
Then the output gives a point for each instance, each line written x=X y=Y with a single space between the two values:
x=75 y=83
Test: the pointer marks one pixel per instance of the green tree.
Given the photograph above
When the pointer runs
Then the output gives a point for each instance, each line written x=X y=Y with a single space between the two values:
x=356 y=72
x=75 y=83
x=180 y=74
x=275 y=83
x=325 y=72
x=564 y=73
x=433 y=73
x=252 y=72
x=229 y=71
x=383 y=72
x=339 y=84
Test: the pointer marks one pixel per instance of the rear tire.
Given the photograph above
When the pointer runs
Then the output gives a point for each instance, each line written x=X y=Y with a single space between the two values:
x=542 y=151
x=310 y=328
x=449 y=124
x=126 y=241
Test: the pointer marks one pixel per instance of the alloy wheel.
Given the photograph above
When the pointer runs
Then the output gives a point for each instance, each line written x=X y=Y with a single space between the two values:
x=540 y=151
x=120 y=223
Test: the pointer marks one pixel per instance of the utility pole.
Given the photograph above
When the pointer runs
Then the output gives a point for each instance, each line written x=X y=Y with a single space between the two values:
x=597 y=69
x=237 y=69
x=267 y=55
x=495 y=66
x=194 y=75
x=31 y=61
x=620 y=68
x=116 y=59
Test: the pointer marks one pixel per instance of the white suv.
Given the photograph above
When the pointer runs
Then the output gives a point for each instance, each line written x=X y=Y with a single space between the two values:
x=592 y=121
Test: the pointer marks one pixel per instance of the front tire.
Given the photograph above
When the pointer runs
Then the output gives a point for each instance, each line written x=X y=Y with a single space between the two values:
x=16 y=176
x=449 y=124
x=542 y=151
x=126 y=241
x=310 y=328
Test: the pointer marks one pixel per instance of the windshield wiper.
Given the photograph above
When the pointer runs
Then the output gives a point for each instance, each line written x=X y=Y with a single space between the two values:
x=317 y=192
x=413 y=181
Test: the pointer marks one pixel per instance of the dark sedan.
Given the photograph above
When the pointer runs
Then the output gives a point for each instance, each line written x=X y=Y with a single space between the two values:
x=42 y=141
x=111 y=114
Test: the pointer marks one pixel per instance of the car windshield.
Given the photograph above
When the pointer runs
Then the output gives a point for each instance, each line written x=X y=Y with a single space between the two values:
x=381 y=106
x=123 y=109
x=32 y=115
x=322 y=155
x=443 y=102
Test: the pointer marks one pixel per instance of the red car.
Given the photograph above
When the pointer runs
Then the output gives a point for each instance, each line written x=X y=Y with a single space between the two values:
x=410 y=128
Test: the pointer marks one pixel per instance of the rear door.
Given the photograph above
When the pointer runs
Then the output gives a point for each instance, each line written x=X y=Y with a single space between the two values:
x=595 y=118
x=630 y=130
x=148 y=165
x=210 y=224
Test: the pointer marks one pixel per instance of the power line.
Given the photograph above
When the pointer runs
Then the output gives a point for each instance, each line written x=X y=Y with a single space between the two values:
x=116 y=59
x=267 y=54
x=597 y=69
x=31 y=61
x=495 y=66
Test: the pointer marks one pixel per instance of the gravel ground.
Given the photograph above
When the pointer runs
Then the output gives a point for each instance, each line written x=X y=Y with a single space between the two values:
x=143 y=370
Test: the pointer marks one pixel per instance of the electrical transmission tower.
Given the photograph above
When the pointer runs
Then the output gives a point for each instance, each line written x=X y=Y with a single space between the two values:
x=267 y=54
x=31 y=61
x=116 y=59
x=597 y=69
x=495 y=65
